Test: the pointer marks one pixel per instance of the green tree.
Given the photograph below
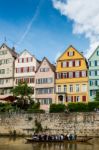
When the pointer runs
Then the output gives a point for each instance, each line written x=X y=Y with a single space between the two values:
x=97 y=96
x=23 y=92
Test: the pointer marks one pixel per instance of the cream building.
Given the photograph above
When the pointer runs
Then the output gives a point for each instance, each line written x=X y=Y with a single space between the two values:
x=25 y=67
x=7 y=60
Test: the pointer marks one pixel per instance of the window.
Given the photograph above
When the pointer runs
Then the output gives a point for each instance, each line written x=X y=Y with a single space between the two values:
x=77 y=74
x=18 y=70
x=98 y=53
x=83 y=73
x=65 y=88
x=70 y=63
x=64 y=64
x=77 y=88
x=64 y=75
x=69 y=98
x=92 y=92
x=77 y=98
x=29 y=59
x=97 y=72
x=2 y=71
x=31 y=69
x=97 y=62
x=25 y=69
x=25 y=60
x=1 y=81
x=20 y=60
x=70 y=74
x=84 y=88
x=3 y=52
x=44 y=69
x=71 y=88
x=98 y=82
x=70 y=53
x=77 y=63
x=59 y=88
x=92 y=73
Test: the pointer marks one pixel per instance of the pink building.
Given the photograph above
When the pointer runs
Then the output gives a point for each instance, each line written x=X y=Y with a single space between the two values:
x=45 y=84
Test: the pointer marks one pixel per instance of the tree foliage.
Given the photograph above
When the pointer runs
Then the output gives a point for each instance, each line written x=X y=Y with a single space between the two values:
x=23 y=92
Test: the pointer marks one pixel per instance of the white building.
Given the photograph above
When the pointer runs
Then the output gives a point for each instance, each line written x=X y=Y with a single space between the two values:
x=7 y=60
x=25 y=67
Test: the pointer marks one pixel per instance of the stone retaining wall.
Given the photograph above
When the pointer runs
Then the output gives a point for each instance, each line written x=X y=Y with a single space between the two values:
x=80 y=123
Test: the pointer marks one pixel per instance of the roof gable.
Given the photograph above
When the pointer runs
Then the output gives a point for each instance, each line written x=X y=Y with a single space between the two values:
x=52 y=67
x=94 y=54
x=12 y=51
x=70 y=48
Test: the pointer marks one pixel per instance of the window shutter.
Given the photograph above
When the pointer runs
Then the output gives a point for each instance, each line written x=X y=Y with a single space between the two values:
x=73 y=53
x=86 y=73
x=16 y=70
x=74 y=98
x=95 y=72
x=90 y=73
x=95 y=62
x=66 y=99
x=62 y=64
x=90 y=83
x=67 y=53
x=67 y=74
x=79 y=62
x=90 y=93
x=21 y=69
x=73 y=74
x=89 y=63
x=28 y=69
x=74 y=63
x=62 y=75
x=16 y=81
x=67 y=63
x=27 y=59
x=56 y=74
x=96 y=82
x=80 y=74
x=18 y=60
x=22 y=59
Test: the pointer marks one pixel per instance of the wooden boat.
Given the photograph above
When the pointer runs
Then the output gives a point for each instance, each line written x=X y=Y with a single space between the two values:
x=30 y=140
x=83 y=139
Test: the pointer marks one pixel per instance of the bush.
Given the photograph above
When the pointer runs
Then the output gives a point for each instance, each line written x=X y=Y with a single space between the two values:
x=78 y=107
x=93 y=105
x=56 y=108
x=35 y=111
x=5 y=107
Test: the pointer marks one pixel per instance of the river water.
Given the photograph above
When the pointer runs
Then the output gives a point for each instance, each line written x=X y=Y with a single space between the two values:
x=20 y=144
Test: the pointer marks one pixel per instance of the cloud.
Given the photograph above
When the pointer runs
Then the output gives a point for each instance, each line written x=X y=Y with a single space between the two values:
x=85 y=17
x=30 y=23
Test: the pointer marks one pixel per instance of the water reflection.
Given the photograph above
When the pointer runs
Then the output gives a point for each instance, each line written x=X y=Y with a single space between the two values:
x=20 y=144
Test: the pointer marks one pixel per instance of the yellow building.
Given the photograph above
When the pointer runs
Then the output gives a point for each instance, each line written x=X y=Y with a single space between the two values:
x=71 y=77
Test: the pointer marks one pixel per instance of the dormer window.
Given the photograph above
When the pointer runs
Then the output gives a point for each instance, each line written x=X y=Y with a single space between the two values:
x=71 y=53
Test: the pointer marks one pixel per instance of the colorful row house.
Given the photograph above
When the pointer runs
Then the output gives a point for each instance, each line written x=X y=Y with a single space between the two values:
x=71 y=77
x=68 y=81
x=25 y=67
x=93 y=73
x=7 y=65
x=45 y=84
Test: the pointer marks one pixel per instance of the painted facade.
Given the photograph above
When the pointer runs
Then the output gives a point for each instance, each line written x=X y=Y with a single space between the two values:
x=93 y=73
x=45 y=82
x=7 y=60
x=71 y=77
x=25 y=68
